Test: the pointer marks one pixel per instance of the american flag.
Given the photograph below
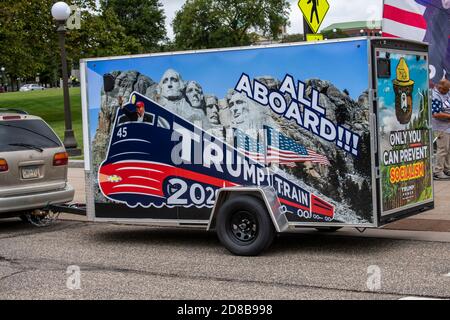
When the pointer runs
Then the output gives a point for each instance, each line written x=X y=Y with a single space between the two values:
x=436 y=106
x=404 y=19
x=249 y=146
x=284 y=150
x=440 y=102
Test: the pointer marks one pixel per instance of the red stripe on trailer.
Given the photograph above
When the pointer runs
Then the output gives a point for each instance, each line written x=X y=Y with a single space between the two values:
x=320 y=207
x=293 y=204
x=127 y=171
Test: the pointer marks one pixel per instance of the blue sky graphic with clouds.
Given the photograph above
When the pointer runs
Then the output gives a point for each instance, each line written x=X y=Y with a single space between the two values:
x=344 y=64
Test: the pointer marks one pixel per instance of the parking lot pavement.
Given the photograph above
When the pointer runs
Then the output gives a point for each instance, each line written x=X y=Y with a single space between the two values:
x=137 y=262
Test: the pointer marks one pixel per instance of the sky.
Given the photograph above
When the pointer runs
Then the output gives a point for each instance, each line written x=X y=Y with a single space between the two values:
x=340 y=11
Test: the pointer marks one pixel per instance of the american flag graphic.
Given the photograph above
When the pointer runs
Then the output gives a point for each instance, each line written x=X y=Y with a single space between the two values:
x=284 y=150
x=249 y=146
x=404 y=19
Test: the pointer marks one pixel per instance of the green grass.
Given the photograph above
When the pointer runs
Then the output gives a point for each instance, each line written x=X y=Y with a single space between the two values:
x=49 y=105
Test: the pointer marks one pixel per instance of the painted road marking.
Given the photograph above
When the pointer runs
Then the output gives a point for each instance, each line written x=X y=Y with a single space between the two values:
x=418 y=298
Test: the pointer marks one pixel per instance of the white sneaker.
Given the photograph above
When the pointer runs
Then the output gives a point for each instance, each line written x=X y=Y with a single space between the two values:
x=440 y=176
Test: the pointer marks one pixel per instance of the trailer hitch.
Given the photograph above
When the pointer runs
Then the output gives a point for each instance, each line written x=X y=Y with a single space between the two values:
x=73 y=208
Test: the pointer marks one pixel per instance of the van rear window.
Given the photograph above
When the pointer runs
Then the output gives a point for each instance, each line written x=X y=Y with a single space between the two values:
x=32 y=132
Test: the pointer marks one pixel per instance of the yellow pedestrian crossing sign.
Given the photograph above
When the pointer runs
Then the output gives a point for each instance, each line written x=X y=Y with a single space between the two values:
x=314 y=12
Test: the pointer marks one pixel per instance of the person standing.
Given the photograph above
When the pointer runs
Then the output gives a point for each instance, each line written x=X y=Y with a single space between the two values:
x=441 y=128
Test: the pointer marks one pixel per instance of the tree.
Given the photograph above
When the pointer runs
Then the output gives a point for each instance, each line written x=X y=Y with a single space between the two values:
x=333 y=185
x=359 y=197
x=143 y=20
x=298 y=37
x=100 y=35
x=340 y=165
x=330 y=34
x=223 y=23
x=27 y=34
x=364 y=203
x=342 y=113
x=29 y=41
x=351 y=189
x=363 y=164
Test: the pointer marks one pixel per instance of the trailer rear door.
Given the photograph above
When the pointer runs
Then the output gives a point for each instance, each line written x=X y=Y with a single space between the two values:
x=404 y=130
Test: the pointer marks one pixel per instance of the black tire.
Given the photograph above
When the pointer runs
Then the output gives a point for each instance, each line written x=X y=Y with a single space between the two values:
x=244 y=227
x=328 y=229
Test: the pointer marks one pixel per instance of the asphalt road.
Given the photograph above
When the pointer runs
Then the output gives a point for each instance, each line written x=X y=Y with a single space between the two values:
x=135 y=262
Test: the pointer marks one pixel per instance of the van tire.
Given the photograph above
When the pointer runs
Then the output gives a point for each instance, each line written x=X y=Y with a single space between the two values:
x=244 y=227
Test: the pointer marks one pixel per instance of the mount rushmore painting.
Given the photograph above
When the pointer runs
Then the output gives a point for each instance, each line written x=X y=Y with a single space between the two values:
x=345 y=181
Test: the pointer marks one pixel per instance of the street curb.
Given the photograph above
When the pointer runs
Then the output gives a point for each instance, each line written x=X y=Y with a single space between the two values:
x=76 y=163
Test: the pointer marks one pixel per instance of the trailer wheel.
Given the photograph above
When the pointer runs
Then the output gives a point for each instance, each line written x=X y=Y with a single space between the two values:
x=244 y=226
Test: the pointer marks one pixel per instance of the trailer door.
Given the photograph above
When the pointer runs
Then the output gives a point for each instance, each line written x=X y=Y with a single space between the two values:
x=404 y=132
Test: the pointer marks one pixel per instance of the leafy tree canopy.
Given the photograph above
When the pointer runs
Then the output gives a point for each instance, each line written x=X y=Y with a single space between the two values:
x=143 y=20
x=29 y=41
x=222 y=23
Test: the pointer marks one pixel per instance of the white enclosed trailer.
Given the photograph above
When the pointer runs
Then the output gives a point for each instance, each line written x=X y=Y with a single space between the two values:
x=258 y=140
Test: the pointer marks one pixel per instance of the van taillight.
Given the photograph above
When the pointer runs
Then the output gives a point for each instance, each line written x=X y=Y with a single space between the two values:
x=12 y=117
x=61 y=159
x=3 y=165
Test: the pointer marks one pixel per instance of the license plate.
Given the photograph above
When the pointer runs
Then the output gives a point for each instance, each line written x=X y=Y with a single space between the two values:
x=30 y=173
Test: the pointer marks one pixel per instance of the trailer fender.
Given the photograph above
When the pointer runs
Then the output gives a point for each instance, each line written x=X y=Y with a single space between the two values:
x=266 y=194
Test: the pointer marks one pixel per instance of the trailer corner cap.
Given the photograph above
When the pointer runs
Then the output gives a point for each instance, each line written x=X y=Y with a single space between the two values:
x=403 y=78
